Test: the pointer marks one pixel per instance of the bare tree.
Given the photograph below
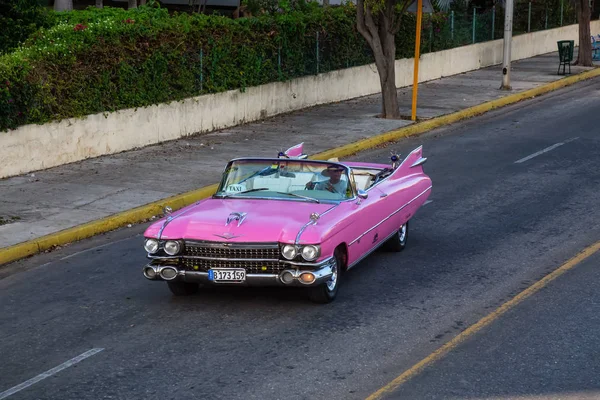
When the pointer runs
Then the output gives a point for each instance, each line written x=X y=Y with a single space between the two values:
x=63 y=5
x=99 y=4
x=584 y=55
x=132 y=4
x=379 y=21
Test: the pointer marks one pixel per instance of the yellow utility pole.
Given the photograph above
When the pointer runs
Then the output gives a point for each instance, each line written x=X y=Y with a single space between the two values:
x=416 y=67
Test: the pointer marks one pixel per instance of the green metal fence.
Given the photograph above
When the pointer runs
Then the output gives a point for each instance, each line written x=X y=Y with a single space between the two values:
x=440 y=31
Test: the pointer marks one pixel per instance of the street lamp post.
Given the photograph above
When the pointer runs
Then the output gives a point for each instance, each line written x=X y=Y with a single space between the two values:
x=508 y=22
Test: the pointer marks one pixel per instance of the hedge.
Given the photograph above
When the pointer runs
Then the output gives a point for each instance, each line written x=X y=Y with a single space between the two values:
x=102 y=60
x=19 y=19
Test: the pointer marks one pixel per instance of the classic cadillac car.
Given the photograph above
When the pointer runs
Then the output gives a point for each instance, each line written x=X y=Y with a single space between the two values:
x=287 y=221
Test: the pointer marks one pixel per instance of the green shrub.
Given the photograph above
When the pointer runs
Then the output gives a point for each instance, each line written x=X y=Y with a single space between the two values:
x=19 y=19
x=108 y=59
x=104 y=60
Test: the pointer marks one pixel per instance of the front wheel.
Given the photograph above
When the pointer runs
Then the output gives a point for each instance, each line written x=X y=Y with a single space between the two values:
x=398 y=241
x=183 y=288
x=326 y=292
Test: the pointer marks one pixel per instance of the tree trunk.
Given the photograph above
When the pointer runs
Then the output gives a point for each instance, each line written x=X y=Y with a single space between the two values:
x=388 y=80
x=63 y=5
x=379 y=32
x=584 y=55
x=99 y=4
x=132 y=4
x=142 y=2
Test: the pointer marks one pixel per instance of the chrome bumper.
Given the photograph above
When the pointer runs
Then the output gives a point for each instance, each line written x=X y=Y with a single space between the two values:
x=288 y=277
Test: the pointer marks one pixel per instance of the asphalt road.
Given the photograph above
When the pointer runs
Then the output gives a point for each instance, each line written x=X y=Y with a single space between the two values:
x=498 y=222
x=546 y=348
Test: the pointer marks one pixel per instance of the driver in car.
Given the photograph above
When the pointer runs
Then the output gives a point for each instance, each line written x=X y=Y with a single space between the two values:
x=335 y=184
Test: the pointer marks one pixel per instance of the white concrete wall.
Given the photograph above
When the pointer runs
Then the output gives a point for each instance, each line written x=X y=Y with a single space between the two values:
x=481 y=55
x=34 y=147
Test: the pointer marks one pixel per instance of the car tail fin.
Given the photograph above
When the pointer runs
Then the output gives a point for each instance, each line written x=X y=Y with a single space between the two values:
x=412 y=164
x=296 y=151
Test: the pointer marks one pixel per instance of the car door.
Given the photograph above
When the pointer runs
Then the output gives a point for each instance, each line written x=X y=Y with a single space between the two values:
x=366 y=227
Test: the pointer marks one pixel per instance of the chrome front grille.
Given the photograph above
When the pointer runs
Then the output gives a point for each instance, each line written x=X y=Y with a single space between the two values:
x=251 y=267
x=254 y=258
x=266 y=251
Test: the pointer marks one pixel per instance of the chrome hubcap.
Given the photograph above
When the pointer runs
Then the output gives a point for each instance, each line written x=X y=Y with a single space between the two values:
x=333 y=281
x=402 y=234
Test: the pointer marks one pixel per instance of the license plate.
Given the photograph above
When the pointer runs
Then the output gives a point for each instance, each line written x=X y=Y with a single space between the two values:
x=227 y=275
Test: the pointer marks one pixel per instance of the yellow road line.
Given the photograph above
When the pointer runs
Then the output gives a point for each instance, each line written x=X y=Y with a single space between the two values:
x=139 y=214
x=482 y=323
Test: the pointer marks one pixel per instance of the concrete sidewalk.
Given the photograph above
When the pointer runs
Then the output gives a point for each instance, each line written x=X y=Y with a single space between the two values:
x=49 y=201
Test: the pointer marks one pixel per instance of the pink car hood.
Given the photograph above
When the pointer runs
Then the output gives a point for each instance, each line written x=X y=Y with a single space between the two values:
x=265 y=221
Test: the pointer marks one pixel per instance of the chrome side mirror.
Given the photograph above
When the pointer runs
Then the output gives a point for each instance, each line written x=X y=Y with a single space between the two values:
x=362 y=195
x=167 y=210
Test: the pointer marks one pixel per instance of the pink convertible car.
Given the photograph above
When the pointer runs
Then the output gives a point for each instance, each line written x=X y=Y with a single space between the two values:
x=288 y=221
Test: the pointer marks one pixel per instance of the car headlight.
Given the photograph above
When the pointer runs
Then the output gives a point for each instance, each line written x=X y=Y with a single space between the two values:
x=289 y=251
x=311 y=252
x=151 y=246
x=172 y=247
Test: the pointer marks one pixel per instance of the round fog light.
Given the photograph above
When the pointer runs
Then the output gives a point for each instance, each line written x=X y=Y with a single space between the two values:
x=150 y=273
x=168 y=273
x=307 y=277
x=287 y=277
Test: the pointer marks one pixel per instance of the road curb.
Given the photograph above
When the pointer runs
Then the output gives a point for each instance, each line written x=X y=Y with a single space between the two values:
x=421 y=127
x=145 y=212
x=103 y=225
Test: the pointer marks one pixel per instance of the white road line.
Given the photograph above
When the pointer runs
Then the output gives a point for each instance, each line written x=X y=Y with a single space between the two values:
x=547 y=149
x=94 y=248
x=48 y=373
x=427 y=202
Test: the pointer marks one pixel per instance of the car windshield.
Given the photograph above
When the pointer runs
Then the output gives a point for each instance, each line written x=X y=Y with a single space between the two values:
x=286 y=179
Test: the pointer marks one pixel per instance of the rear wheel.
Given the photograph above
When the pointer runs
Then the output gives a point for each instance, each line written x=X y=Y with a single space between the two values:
x=326 y=292
x=182 y=288
x=398 y=241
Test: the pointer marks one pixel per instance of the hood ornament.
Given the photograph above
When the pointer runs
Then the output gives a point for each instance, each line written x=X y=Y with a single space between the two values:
x=236 y=216
x=228 y=236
